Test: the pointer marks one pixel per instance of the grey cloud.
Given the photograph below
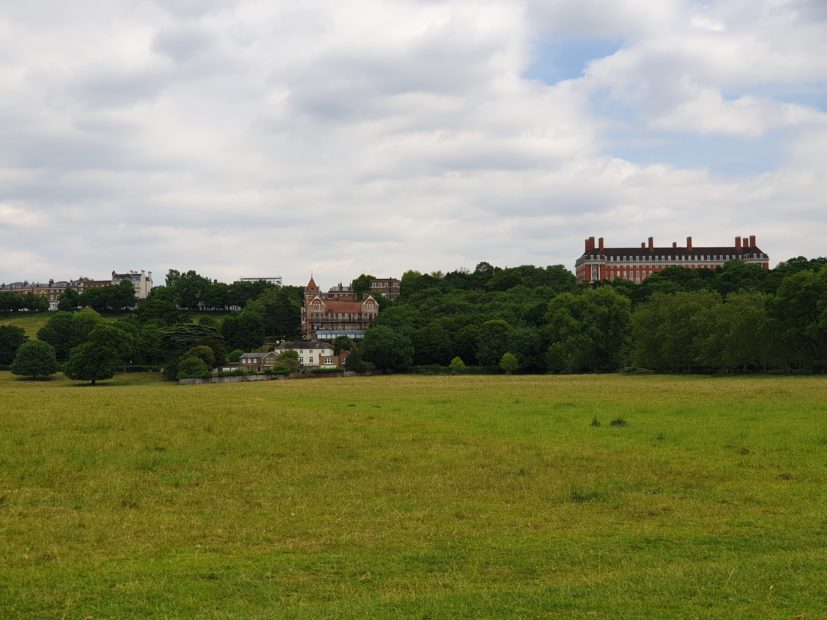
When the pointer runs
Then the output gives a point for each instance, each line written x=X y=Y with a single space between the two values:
x=181 y=44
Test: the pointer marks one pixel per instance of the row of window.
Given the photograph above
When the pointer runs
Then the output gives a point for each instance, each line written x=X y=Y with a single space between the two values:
x=679 y=259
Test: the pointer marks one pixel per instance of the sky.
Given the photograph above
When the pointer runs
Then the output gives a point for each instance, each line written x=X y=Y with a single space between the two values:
x=262 y=138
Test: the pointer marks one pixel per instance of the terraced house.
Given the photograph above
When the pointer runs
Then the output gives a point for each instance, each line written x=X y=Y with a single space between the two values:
x=599 y=262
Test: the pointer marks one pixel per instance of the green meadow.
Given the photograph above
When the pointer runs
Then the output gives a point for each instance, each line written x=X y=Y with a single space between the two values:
x=405 y=496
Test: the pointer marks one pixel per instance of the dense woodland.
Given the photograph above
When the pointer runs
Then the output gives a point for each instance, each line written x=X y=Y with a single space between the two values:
x=739 y=318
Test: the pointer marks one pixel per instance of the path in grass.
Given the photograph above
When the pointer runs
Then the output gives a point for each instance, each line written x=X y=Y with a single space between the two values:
x=427 y=497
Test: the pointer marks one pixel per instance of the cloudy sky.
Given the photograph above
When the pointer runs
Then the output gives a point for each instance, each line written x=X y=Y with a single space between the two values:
x=257 y=137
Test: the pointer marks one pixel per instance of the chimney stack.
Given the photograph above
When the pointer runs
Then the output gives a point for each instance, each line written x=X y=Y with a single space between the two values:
x=752 y=241
x=674 y=244
x=600 y=243
x=589 y=244
x=745 y=242
x=689 y=243
x=642 y=245
x=738 y=243
x=651 y=245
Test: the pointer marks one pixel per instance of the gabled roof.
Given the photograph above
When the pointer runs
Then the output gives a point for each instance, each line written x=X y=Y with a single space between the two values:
x=336 y=305
x=255 y=356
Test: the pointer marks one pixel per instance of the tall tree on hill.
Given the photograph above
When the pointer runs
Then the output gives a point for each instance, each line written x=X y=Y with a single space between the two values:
x=69 y=300
x=361 y=285
x=65 y=330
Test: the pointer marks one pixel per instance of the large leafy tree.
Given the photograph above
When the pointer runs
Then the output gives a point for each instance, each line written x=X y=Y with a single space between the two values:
x=492 y=342
x=11 y=337
x=92 y=361
x=35 y=359
x=588 y=331
x=670 y=331
x=69 y=300
x=244 y=330
x=798 y=318
x=388 y=350
x=65 y=330
x=10 y=302
x=281 y=312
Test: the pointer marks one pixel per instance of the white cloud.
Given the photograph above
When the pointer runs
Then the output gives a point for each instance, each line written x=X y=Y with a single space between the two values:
x=252 y=136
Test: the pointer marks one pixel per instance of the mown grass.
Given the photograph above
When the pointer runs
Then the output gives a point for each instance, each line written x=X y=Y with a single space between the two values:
x=415 y=496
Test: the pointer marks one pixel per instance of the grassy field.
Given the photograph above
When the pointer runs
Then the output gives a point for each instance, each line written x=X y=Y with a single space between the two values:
x=415 y=497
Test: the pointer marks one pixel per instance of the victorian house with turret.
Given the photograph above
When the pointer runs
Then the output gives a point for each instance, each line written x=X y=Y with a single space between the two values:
x=338 y=312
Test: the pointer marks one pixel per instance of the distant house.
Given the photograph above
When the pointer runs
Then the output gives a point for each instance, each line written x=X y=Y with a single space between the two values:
x=141 y=281
x=387 y=287
x=313 y=354
x=256 y=362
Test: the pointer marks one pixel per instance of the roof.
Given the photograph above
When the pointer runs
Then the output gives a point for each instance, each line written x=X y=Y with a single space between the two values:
x=335 y=305
x=680 y=251
x=255 y=356
x=304 y=344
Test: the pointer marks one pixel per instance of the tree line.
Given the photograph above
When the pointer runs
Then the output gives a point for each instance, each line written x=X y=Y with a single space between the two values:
x=738 y=318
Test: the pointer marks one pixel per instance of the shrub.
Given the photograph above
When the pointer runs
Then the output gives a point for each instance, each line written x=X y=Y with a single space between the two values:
x=234 y=356
x=192 y=367
x=509 y=363
x=618 y=422
x=456 y=365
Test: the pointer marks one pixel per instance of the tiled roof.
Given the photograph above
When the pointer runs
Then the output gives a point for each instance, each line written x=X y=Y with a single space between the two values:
x=335 y=305
x=304 y=344
x=682 y=251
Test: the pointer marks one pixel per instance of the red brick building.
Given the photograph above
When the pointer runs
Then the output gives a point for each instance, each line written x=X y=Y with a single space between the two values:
x=599 y=262
x=336 y=313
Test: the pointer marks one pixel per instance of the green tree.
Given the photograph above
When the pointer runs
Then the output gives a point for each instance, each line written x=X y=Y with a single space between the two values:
x=388 y=350
x=288 y=360
x=192 y=366
x=342 y=343
x=10 y=302
x=432 y=345
x=11 y=337
x=281 y=313
x=456 y=365
x=92 y=361
x=35 y=303
x=204 y=353
x=797 y=317
x=670 y=332
x=234 y=356
x=509 y=363
x=492 y=342
x=737 y=337
x=35 y=359
x=244 y=330
x=65 y=330
x=157 y=308
x=588 y=331
x=361 y=285
x=69 y=300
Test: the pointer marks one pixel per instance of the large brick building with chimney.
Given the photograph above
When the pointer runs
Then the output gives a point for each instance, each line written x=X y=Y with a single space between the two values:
x=599 y=262
x=338 y=312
